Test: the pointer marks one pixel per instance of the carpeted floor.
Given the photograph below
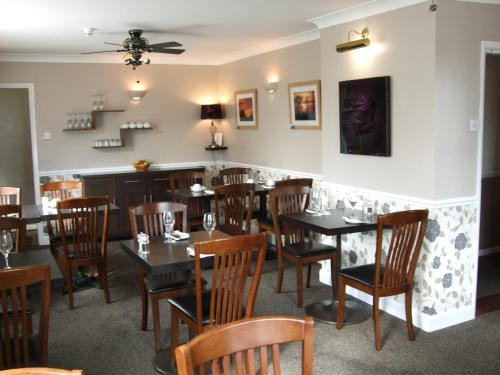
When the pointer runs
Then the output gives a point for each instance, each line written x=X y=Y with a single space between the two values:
x=106 y=339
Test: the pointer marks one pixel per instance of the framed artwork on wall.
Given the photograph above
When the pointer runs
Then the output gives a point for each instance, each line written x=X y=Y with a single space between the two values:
x=305 y=104
x=246 y=109
x=365 y=116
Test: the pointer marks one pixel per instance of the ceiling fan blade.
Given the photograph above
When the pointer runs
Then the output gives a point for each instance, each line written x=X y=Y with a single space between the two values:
x=114 y=44
x=165 y=45
x=113 y=50
x=169 y=50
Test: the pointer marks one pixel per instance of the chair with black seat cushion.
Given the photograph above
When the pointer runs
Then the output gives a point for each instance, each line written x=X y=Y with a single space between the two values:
x=266 y=223
x=296 y=247
x=149 y=218
x=17 y=224
x=392 y=276
x=10 y=195
x=229 y=176
x=18 y=348
x=229 y=298
x=59 y=190
x=233 y=208
x=184 y=180
x=239 y=341
x=83 y=240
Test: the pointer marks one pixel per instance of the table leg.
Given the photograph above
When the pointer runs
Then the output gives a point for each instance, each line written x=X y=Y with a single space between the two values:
x=326 y=311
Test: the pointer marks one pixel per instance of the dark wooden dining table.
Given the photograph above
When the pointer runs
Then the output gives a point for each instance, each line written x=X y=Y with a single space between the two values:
x=36 y=258
x=333 y=224
x=185 y=195
x=169 y=257
x=34 y=213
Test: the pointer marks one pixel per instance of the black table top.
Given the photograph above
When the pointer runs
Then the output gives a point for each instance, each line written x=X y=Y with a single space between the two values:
x=34 y=213
x=187 y=194
x=35 y=258
x=329 y=225
x=168 y=257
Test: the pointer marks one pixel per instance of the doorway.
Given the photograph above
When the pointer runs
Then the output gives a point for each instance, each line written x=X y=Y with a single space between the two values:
x=488 y=278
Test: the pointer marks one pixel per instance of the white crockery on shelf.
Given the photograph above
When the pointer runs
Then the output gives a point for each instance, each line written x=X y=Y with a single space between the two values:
x=125 y=125
x=140 y=125
x=132 y=125
x=147 y=125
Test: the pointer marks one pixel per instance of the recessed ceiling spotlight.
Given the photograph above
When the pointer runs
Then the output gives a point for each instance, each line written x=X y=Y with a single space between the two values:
x=88 y=31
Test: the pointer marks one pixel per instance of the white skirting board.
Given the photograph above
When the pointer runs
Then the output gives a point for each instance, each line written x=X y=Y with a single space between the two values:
x=428 y=323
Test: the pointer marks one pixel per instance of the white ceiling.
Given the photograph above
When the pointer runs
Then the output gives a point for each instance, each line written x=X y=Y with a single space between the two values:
x=210 y=30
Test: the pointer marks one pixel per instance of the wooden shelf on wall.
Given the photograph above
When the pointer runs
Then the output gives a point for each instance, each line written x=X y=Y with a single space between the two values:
x=217 y=148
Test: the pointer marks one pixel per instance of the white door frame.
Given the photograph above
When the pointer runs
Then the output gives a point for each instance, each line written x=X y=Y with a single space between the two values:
x=34 y=148
x=486 y=48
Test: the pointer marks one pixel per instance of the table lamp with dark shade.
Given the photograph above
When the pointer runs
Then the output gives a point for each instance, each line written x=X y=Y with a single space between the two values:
x=212 y=112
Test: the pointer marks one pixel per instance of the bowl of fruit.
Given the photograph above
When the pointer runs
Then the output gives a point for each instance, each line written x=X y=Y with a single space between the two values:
x=141 y=165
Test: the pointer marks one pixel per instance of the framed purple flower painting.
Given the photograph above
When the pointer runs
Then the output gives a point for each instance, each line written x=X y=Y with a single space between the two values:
x=365 y=116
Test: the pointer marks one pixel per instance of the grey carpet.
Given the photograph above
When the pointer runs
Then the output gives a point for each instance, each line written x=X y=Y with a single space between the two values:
x=106 y=338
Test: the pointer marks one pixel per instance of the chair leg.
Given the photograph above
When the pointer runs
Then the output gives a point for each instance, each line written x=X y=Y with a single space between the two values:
x=144 y=297
x=155 y=307
x=341 y=303
x=376 y=323
x=104 y=271
x=409 y=320
x=308 y=280
x=69 y=285
x=279 y=280
x=174 y=333
x=300 y=284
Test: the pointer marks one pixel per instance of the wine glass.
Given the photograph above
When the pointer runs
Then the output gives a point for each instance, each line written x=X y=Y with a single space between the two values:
x=6 y=246
x=352 y=201
x=209 y=222
x=169 y=222
x=316 y=200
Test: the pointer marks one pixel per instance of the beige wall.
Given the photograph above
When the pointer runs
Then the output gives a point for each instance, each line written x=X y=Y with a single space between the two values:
x=171 y=105
x=491 y=135
x=273 y=144
x=402 y=48
x=16 y=164
x=461 y=27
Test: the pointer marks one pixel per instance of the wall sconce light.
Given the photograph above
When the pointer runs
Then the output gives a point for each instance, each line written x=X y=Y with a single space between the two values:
x=354 y=44
x=271 y=87
x=138 y=92
x=212 y=112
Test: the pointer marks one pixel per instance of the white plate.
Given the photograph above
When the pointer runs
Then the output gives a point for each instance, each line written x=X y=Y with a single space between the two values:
x=268 y=187
x=353 y=220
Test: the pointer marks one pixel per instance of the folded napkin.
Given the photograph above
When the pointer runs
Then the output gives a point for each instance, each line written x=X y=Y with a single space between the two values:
x=177 y=235
x=201 y=188
x=209 y=192
x=353 y=220
x=190 y=251
x=317 y=213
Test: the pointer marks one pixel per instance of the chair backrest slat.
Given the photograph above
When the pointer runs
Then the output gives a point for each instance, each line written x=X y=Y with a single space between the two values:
x=83 y=231
x=237 y=208
x=239 y=341
x=10 y=195
x=407 y=233
x=229 y=300
x=14 y=328
x=231 y=176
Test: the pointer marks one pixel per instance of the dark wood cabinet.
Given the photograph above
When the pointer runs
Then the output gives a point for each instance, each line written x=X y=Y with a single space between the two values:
x=129 y=189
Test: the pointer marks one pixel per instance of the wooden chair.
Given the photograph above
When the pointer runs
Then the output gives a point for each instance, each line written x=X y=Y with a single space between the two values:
x=17 y=347
x=18 y=225
x=157 y=286
x=266 y=223
x=85 y=244
x=296 y=248
x=59 y=190
x=10 y=195
x=228 y=299
x=237 y=201
x=184 y=180
x=40 y=371
x=231 y=176
x=393 y=277
x=238 y=342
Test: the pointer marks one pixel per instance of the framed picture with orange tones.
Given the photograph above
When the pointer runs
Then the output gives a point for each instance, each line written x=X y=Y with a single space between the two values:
x=246 y=109
x=305 y=105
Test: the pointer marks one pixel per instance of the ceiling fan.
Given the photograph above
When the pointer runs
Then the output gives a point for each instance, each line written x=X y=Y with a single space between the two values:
x=136 y=45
